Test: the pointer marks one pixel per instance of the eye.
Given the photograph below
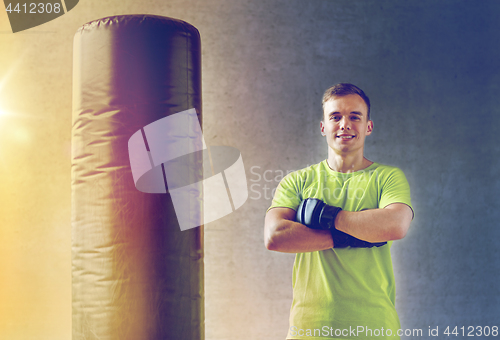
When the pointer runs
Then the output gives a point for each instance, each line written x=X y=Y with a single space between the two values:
x=335 y=118
x=355 y=118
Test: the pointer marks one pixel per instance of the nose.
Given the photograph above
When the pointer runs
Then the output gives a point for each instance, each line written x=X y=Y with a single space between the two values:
x=345 y=124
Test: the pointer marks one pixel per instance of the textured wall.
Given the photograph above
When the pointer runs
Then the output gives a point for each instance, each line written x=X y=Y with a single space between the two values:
x=431 y=70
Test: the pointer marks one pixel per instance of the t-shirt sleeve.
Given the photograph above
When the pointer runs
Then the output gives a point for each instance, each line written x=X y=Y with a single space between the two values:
x=395 y=189
x=288 y=193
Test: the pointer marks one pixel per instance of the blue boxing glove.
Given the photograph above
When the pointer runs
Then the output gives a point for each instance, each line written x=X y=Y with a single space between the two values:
x=316 y=214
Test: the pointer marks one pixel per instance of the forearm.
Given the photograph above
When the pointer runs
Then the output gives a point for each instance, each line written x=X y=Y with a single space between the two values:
x=376 y=225
x=287 y=236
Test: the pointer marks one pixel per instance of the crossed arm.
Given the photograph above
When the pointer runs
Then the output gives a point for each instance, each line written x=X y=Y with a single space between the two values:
x=283 y=234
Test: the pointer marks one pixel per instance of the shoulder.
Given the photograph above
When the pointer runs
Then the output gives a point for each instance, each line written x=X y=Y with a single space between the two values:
x=297 y=181
x=385 y=172
x=304 y=175
x=384 y=167
x=288 y=194
x=393 y=185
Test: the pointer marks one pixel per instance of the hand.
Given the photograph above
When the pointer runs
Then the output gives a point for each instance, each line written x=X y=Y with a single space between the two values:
x=316 y=214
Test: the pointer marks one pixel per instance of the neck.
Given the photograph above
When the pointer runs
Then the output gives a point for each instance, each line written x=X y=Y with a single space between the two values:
x=348 y=162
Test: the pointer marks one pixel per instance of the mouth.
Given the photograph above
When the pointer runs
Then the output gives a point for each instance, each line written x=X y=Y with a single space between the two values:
x=345 y=137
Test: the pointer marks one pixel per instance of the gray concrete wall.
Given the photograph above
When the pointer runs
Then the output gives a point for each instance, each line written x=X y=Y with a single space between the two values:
x=431 y=69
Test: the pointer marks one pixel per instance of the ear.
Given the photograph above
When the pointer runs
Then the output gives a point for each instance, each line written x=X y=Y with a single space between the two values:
x=369 y=128
x=322 y=125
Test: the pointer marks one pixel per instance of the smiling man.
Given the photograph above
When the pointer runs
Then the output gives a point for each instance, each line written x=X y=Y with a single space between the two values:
x=340 y=217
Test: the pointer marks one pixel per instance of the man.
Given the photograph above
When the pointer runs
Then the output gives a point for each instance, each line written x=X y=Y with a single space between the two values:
x=343 y=285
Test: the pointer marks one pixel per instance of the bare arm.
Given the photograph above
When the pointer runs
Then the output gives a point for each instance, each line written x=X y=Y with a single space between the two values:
x=283 y=234
x=376 y=225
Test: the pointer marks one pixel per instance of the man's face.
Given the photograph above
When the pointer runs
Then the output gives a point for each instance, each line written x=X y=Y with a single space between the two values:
x=345 y=124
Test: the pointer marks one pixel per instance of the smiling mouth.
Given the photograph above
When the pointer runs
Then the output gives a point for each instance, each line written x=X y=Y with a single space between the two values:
x=345 y=137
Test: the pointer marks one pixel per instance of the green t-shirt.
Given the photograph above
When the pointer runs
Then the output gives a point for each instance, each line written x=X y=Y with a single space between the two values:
x=344 y=293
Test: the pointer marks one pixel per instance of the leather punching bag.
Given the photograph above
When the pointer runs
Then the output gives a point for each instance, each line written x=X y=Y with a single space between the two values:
x=135 y=274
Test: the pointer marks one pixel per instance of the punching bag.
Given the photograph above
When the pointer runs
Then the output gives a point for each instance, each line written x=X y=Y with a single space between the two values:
x=135 y=274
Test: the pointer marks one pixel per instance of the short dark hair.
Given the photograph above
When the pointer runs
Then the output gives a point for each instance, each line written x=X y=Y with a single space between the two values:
x=344 y=89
